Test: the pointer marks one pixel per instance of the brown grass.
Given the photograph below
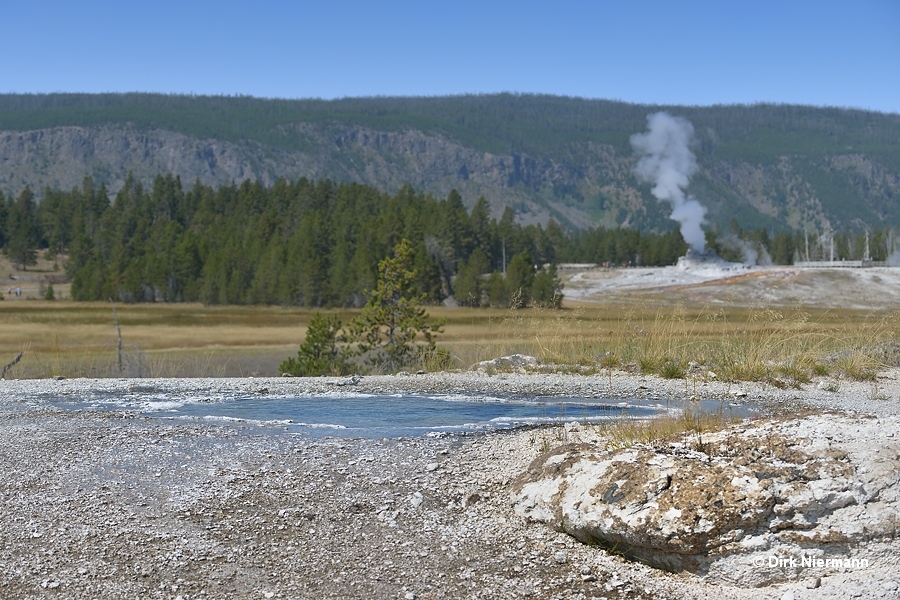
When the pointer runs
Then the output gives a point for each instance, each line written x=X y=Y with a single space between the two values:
x=693 y=423
x=784 y=346
x=79 y=339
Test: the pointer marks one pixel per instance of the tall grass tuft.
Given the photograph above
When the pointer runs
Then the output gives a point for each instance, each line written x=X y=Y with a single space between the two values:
x=783 y=347
x=691 y=422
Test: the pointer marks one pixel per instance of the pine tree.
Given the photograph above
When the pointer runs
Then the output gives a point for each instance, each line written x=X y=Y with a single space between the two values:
x=497 y=290
x=54 y=215
x=22 y=230
x=319 y=353
x=469 y=285
x=520 y=277
x=480 y=219
x=393 y=317
x=4 y=217
x=546 y=289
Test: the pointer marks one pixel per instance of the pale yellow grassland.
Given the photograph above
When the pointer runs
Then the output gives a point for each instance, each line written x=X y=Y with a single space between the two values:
x=778 y=344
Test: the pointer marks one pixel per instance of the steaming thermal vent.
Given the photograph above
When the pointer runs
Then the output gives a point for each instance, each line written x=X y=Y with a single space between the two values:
x=667 y=163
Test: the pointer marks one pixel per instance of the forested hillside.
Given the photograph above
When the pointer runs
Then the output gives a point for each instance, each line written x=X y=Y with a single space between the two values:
x=766 y=166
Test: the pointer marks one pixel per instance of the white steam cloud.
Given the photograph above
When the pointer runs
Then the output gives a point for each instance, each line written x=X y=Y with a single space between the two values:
x=894 y=259
x=667 y=163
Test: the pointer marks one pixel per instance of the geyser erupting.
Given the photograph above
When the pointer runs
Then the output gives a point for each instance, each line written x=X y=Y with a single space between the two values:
x=667 y=163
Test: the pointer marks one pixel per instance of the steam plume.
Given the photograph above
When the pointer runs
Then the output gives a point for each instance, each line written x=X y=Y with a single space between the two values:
x=667 y=163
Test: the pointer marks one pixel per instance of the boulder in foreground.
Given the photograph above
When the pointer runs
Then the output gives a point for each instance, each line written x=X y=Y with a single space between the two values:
x=750 y=506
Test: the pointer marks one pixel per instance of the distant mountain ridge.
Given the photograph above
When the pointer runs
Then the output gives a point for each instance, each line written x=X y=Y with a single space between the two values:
x=775 y=166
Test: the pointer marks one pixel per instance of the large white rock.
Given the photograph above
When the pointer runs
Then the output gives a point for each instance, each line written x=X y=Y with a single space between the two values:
x=819 y=486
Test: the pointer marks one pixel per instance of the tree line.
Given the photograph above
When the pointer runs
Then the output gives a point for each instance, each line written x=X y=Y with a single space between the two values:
x=319 y=243
x=298 y=243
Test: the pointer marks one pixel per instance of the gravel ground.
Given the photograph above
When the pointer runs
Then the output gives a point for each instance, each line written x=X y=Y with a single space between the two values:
x=117 y=505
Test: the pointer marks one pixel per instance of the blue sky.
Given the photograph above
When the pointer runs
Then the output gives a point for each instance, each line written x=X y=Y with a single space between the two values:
x=818 y=52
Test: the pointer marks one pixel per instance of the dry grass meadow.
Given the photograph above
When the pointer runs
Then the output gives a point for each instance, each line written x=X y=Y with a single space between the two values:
x=783 y=345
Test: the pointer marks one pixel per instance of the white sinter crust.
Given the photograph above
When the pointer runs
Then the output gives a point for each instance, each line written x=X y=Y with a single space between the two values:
x=122 y=505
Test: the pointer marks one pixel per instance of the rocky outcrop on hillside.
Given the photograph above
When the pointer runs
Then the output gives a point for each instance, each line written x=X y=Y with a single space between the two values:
x=391 y=159
x=60 y=157
x=752 y=506
x=590 y=184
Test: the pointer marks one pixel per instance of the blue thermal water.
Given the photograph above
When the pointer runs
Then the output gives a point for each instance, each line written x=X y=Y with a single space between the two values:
x=363 y=415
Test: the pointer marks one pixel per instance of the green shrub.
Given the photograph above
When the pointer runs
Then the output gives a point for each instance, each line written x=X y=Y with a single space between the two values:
x=319 y=353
